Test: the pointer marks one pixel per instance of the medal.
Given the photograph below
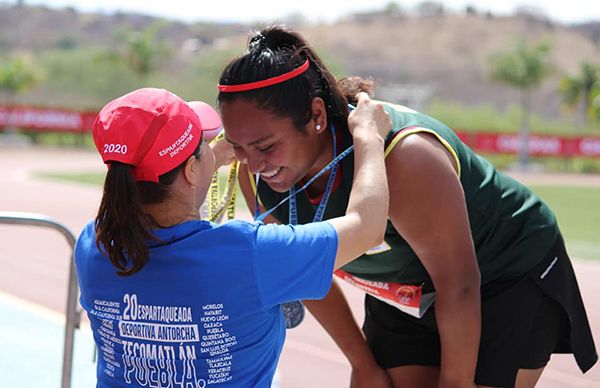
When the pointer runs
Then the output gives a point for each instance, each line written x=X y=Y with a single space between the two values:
x=293 y=313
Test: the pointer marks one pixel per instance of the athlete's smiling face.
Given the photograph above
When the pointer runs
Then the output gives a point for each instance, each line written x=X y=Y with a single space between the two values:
x=271 y=145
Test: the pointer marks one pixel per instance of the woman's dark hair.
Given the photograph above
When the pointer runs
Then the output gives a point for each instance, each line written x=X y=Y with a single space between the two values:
x=122 y=228
x=274 y=51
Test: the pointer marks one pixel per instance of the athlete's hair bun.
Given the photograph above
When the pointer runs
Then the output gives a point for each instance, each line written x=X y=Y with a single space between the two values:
x=256 y=42
x=275 y=38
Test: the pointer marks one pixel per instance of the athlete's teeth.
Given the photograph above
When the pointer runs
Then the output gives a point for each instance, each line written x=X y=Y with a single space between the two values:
x=270 y=175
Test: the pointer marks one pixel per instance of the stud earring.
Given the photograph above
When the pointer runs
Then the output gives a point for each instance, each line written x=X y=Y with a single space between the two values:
x=318 y=127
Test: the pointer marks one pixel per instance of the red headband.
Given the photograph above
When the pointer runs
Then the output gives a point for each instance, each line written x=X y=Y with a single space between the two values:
x=265 y=82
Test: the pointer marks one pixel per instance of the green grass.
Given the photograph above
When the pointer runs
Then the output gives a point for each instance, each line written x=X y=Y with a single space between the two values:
x=90 y=178
x=579 y=165
x=487 y=118
x=61 y=139
x=578 y=213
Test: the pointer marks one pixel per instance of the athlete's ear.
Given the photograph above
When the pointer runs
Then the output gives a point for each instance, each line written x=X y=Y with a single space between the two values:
x=319 y=115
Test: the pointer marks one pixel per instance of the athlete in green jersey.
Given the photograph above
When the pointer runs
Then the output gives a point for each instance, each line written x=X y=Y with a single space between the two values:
x=471 y=286
x=507 y=220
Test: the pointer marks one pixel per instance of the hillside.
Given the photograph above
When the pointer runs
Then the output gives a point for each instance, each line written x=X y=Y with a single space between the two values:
x=450 y=54
x=40 y=28
x=445 y=57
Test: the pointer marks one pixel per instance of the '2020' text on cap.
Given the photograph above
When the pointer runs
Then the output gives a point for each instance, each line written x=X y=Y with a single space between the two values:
x=151 y=129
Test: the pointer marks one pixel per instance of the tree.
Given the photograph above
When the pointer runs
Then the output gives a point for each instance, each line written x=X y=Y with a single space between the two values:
x=430 y=8
x=142 y=50
x=581 y=90
x=392 y=8
x=523 y=68
x=16 y=75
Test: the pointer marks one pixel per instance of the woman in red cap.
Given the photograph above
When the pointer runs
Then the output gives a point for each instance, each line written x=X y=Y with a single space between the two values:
x=175 y=301
x=480 y=245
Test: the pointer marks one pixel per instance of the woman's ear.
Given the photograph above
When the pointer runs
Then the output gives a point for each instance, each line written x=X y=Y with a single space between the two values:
x=319 y=115
x=190 y=170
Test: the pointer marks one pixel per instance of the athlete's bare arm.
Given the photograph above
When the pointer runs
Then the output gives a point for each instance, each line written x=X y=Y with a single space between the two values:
x=334 y=314
x=427 y=207
x=434 y=221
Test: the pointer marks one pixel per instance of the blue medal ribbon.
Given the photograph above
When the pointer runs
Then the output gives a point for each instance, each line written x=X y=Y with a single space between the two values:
x=293 y=191
x=293 y=213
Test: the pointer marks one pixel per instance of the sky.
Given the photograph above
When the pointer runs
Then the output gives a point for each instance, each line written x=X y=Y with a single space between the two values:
x=570 y=11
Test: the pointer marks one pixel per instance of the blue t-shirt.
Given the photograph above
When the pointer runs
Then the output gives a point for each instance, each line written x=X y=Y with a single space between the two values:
x=204 y=310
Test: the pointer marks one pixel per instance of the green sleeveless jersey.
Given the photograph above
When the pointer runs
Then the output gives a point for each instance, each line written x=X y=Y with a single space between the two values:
x=512 y=228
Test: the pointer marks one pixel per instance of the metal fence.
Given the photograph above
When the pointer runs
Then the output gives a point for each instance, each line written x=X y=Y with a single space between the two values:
x=73 y=310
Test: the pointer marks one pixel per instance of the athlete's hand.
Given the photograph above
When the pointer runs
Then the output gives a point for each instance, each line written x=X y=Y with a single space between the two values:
x=369 y=377
x=369 y=118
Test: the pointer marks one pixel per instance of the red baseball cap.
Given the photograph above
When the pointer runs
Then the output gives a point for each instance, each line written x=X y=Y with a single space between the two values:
x=151 y=129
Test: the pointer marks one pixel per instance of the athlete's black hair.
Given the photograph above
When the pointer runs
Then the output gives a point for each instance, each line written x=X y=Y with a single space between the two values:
x=276 y=50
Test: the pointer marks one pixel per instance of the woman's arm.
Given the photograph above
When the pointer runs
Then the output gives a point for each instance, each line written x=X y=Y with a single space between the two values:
x=427 y=207
x=363 y=225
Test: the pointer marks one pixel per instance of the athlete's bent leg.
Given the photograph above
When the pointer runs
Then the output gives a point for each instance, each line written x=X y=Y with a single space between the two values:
x=528 y=378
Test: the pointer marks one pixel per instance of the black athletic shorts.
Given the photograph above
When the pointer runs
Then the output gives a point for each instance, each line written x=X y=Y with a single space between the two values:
x=521 y=328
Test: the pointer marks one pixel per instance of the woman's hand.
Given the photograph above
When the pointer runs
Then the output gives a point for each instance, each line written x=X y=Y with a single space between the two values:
x=369 y=114
x=224 y=153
